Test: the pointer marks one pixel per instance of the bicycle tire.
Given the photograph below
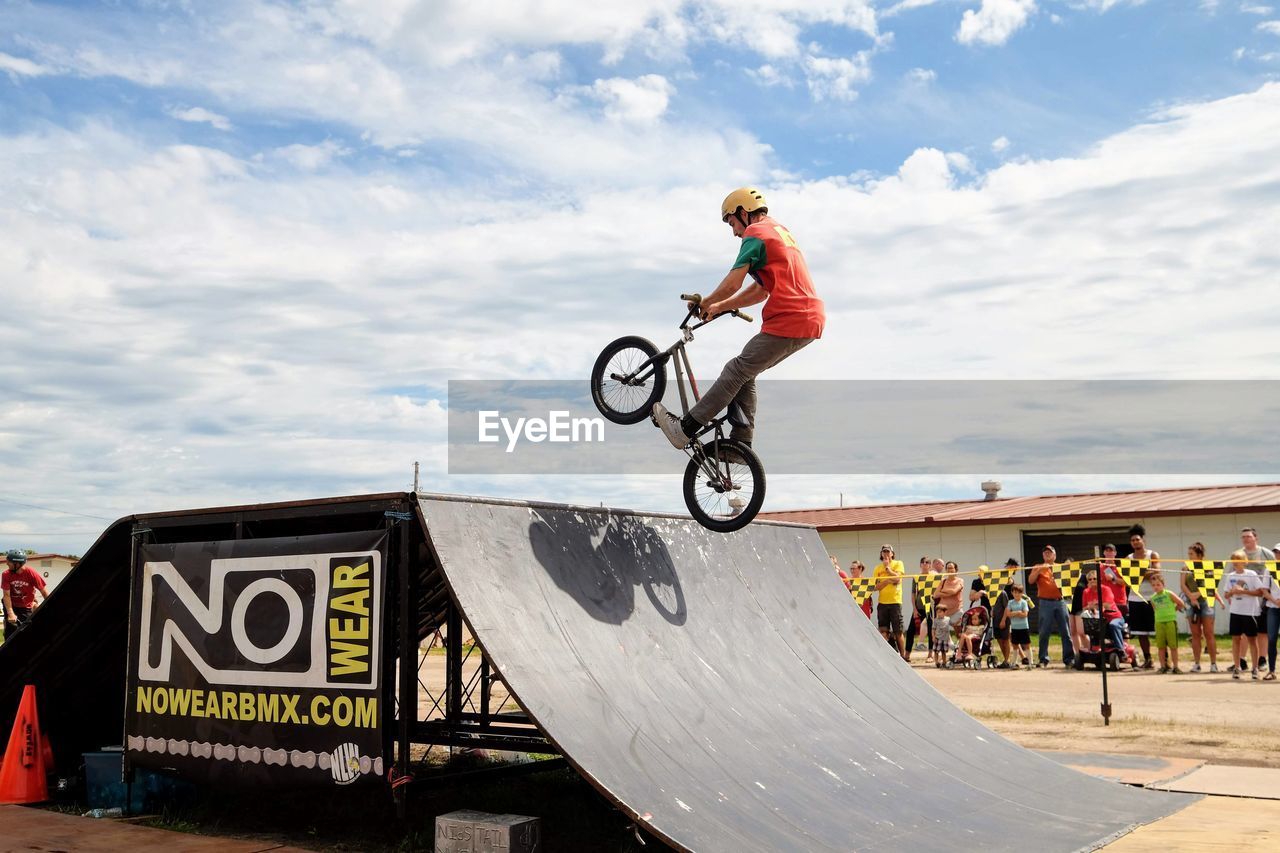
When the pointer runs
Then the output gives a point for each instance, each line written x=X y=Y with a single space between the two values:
x=694 y=475
x=607 y=397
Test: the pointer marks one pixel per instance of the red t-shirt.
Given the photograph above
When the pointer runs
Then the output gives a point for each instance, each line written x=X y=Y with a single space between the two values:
x=771 y=255
x=21 y=585
x=1109 y=609
x=1112 y=581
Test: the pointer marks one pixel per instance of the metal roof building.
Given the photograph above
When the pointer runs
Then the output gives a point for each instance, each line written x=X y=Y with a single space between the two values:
x=990 y=530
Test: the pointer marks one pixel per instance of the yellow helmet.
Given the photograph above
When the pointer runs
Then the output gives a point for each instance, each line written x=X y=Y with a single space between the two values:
x=749 y=199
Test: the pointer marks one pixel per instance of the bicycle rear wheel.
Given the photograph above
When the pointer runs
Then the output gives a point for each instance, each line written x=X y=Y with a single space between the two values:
x=724 y=495
x=623 y=392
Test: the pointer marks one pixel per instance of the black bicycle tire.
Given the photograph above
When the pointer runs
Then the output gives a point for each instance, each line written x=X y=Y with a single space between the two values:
x=693 y=471
x=597 y=379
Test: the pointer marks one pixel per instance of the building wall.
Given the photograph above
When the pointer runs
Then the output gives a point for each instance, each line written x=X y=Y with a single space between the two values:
x=53 y=570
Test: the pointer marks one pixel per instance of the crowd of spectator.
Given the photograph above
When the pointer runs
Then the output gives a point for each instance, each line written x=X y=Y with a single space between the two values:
x=950 y=627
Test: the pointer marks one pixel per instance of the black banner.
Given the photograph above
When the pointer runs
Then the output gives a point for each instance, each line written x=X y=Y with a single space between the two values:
x=259 y=660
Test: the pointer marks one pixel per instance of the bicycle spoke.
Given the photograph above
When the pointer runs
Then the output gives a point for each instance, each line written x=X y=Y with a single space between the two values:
x=724 y=495
x=621 y=396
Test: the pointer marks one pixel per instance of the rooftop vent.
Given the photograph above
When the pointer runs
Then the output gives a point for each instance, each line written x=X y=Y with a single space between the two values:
x=991 y=488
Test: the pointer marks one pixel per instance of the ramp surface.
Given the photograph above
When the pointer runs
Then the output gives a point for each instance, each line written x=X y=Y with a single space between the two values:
x=722 y=690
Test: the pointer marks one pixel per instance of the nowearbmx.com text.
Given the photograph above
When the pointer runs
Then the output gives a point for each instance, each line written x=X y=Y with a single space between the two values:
x=557 y=427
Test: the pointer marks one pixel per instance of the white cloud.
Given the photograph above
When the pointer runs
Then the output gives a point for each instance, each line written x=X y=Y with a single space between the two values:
x=17 y=66
x=769 y=75
x=1000 y=144
x=200 y=114
x=1272 y=27
x=837 y=78
x=643 y=100
x=921 y=76
x=1256 y=9
x=309 y=158
x=994 y=22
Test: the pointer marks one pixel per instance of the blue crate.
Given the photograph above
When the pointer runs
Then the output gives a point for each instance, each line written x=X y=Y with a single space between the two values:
x=150 y=791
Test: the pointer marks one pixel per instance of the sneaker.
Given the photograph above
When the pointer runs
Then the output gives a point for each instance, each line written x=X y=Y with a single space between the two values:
x=1262 y=662
x=1243 y=664
x=1195 y=667
x=1005 y=665
x=1254 y=675
x=1026 y=663
x=1213 y=667
x=1175 y=671
x=1235 y=673
x=1147 y=664
x=670 y=426
x=1164 y=670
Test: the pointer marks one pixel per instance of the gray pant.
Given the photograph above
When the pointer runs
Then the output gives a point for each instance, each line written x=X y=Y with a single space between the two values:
x=738 y=380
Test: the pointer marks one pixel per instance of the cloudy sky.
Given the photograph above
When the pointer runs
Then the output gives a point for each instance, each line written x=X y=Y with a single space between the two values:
x=245 y=245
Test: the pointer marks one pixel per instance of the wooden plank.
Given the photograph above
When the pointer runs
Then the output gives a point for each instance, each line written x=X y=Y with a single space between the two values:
x=32 y=829
x=1223 y=781
x=1226 y=824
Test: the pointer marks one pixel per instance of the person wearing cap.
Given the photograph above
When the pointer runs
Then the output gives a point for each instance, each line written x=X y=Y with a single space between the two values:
x=1053 y=610
x=792 y=318
x=888 y=578
x=20 y=583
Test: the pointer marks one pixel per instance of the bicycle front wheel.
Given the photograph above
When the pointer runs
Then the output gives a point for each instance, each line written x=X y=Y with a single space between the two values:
x=623 y=390
x=724 y=486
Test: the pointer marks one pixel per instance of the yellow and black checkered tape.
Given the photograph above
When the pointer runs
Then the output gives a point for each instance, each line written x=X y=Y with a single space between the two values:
x=1205 y=574
x=926 y=585
x=861 y=588
x=1132 y=571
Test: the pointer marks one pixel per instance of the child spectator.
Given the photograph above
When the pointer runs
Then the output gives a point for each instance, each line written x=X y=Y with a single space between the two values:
x=1015 y=615
x=1241 y=589
x=1166 y=605
x=975 y=627
x=941 y=643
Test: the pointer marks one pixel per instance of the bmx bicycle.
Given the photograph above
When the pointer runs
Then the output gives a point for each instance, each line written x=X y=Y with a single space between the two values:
x=724 y=479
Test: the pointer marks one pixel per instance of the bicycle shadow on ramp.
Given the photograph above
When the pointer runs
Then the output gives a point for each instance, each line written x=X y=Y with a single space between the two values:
x=599 y=561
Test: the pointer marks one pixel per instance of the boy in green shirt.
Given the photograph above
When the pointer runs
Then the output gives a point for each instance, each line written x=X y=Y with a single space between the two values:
x=1166 y=605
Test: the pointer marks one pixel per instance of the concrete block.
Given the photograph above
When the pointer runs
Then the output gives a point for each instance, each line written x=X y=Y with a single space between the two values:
x=481 y=832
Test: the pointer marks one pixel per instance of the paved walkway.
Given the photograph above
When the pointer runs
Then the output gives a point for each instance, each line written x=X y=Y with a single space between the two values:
x=33 y=829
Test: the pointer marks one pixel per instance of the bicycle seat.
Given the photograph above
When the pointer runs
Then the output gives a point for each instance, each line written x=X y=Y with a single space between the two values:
x=736 y=416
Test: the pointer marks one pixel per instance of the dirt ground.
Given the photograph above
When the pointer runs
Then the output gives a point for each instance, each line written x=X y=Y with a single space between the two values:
x=1206 y=716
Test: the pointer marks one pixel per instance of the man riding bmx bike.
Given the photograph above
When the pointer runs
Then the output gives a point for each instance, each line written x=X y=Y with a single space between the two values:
x=793 y=315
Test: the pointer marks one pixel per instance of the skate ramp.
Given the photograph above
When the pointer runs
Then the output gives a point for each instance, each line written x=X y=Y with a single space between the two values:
x=723 y=690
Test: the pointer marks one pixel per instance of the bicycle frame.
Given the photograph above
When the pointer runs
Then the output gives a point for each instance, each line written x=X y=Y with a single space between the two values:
x=679 y=357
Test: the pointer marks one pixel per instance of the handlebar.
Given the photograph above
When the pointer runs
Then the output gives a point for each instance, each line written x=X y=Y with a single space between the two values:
x=695 y=299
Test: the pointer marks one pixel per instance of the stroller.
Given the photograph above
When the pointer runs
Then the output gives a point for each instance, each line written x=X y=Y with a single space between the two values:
x=1106 y=655
x=979 y=644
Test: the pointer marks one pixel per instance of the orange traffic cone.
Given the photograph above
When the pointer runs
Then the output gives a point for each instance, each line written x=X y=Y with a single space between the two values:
x=22 y=778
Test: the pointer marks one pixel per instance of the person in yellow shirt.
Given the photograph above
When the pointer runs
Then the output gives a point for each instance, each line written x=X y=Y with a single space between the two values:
x=888 y=578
